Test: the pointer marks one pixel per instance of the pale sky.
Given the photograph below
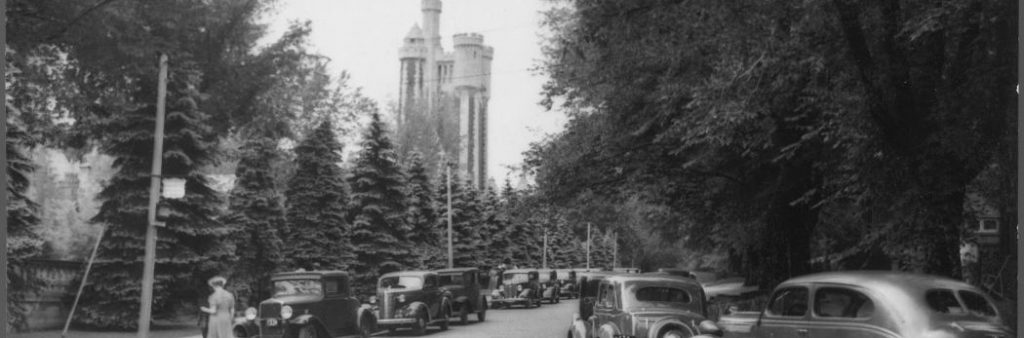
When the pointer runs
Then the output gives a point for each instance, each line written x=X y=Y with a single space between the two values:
x=363 y=37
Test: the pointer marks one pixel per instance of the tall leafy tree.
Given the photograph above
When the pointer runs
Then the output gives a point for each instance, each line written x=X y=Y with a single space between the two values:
x=317 y=232
x=190 y=246
x=378 y=211
x=256 y=218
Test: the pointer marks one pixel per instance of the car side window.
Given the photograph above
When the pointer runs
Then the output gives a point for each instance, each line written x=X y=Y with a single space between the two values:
x=331 y=287
x=943 y=301
x=484 y=280
x=788 y=302
x=842 y=303
x=977 y=304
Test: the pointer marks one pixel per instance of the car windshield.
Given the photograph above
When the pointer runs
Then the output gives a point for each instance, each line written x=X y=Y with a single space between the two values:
x=446 y=280
x=298 y=287
x=401 y=282
x=515 y=278
x=662 y=294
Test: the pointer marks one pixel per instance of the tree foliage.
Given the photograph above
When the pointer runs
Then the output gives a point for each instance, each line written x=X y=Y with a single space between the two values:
x=256 y=218
x=380 y=231
x=318 y=232
x=745 y=127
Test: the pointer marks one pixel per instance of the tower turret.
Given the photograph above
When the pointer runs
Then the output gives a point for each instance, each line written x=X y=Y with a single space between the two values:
x=412 y=56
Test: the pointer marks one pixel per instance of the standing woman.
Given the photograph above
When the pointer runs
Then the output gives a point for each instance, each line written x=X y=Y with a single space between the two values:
x=222 y=308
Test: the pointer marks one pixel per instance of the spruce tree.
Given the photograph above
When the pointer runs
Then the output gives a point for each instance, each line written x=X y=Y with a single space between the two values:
x=255 y=217
x=23 y=242
x=317 y=232
x=467 y=242
x=422 y=212
x=493 y=228
x=190 y=246
x=378 y=209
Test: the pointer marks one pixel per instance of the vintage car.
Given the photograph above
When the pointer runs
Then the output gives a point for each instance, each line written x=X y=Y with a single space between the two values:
x=308 y=304
x=550 y=285
x=518 y=286
x=646 y=306
x=411 y=299
x=466 y=286
x=588 y=282
x=567 y=280
x=871 y=304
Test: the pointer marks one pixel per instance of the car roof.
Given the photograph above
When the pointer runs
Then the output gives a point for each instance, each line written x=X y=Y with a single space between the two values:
x=456 y=270
x=418 y=273
x=895 y=279
x=519 y=270
x=308 y=274
x=665 y=278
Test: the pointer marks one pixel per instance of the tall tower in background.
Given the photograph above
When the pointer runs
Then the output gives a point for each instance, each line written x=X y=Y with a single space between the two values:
x=456 y=84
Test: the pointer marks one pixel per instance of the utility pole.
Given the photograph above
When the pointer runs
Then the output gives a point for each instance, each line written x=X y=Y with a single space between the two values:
x=544 y=264
x=615 y=251
x=451 y=252
x=3 y=178
x=1020 y=164
x=149 y=262
x=588 y=245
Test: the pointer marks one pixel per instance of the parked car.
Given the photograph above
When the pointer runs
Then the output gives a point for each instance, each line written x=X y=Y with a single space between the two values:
x=466 y=286
x=308 y=304
x=568 y=284
x=646 y=306
x=518 y=286
x=412 y=299
x=550 y=286
x=588 y=282
x=871 y=304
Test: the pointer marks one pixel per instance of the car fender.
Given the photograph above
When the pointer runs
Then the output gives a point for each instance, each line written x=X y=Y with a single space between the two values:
x=669 y=322
x=462 y=301
x=247 y=327
x=608 y=330
x=578 y=327
x=421 y=306
x=366 y=311
x=303 y=319
x=526 y=293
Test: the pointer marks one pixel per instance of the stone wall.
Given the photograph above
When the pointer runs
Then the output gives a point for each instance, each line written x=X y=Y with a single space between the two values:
x=47 y=308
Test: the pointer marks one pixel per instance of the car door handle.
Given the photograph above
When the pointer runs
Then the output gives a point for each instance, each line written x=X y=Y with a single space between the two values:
x=802 y=332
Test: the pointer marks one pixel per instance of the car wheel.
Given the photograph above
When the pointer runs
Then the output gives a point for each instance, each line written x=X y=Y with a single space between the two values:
x=464 y=314
x=482 y=314
x=239 y=332
x=364 y=329
x=421 y=325
x=558 y=299
x=308 y=331
x=672 y=334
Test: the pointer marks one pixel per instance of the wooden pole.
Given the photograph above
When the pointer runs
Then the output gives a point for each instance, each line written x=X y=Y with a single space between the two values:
x=544 y=264
x=149 y=263
x=1020 y=175
x=588 y=246
x=451 y=251
x=3 y=178
x=85 y=276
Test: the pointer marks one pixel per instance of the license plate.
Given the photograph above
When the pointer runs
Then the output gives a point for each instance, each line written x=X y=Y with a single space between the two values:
x=271 y=322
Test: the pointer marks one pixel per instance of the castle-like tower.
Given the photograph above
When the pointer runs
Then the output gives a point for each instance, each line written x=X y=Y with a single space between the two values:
x=429 y=76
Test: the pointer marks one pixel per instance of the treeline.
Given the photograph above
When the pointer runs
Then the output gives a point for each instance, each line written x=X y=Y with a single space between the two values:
x=777 y=138
x=82 y=76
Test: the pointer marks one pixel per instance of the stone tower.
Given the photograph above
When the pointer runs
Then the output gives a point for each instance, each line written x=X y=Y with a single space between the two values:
x=430 y=75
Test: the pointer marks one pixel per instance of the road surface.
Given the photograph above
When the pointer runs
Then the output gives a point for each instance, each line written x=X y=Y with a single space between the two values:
x=547 y=321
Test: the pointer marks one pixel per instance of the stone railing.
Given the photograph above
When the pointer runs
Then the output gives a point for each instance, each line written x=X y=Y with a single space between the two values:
x=47 y=309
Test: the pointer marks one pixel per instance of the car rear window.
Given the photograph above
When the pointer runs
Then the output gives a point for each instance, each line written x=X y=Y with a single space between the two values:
x=943 y=301
x=842 y=303
x=977 y=304
x=662 y=294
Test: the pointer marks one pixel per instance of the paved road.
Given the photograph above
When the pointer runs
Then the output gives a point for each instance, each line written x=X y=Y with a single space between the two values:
x=547 y=321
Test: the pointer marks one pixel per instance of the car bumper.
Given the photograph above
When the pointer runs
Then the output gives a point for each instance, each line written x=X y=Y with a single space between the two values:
x=510 y=300
x=393 y=322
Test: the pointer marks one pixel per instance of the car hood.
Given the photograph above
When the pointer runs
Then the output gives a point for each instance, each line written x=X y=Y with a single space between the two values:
x=293 y=300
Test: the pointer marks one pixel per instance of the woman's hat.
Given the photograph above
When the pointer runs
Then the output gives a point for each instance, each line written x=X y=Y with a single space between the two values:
x=217 y=280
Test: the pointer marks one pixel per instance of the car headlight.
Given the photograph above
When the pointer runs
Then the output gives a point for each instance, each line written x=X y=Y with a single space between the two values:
x=519 y=287
x=373 y=299
x=401 y=298
x=250 y=313
x=286 y=312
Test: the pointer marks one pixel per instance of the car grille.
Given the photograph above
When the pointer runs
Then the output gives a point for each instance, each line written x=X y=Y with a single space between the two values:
x=387 y=305
x=510 y=291
x=270 y=310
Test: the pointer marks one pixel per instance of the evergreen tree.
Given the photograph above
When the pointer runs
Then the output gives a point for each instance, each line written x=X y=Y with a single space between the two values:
x=378 y=211
x=256 y=217
x=317 y=230
x=493 y=227
x=422 y=213
x=22 y=241
x=466 y=241
x=189 y=246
